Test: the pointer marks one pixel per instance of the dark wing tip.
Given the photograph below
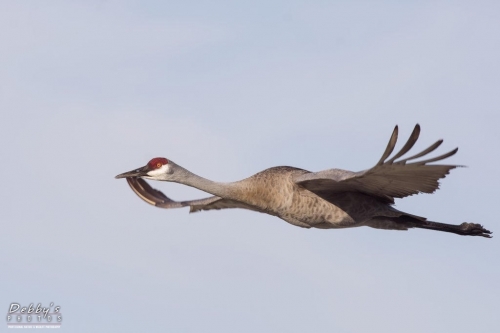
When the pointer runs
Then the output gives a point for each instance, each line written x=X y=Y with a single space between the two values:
x=438 y=158
x=424 y=152
x=390 y=145
x=147 y=193
x=408 y=145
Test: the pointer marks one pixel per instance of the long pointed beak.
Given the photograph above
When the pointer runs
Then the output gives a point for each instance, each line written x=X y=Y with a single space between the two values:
x=134 y=173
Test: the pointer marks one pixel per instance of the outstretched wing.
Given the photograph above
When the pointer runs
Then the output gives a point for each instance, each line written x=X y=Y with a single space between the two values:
x=157 y=198
x=389 y=178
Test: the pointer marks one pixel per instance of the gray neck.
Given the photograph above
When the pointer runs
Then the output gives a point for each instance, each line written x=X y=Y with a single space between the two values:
x=183 y=176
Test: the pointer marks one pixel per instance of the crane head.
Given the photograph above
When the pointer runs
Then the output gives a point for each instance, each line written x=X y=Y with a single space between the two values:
x=158 y=169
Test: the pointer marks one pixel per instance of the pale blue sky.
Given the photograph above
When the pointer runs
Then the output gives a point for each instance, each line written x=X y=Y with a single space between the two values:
x=90 y=89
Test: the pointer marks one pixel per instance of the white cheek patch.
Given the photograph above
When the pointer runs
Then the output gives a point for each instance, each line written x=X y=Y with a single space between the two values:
x=160 y=171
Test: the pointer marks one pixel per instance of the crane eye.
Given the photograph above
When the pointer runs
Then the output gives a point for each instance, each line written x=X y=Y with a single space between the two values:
x=159 y=165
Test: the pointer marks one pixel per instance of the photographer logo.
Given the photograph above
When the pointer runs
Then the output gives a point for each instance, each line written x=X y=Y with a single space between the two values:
x=32 y=316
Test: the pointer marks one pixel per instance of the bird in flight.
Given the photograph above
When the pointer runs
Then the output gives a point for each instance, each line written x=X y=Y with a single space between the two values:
x=328 y=199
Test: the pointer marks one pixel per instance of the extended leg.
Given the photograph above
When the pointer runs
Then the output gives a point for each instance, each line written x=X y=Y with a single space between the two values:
x=464 y=229
x=406 y=222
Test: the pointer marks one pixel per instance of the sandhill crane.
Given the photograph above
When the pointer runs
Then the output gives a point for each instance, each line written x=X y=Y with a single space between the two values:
x=327 y=199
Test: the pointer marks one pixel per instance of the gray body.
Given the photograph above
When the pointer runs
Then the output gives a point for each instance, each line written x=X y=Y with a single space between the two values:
x=275 y=192
x=327 y=199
